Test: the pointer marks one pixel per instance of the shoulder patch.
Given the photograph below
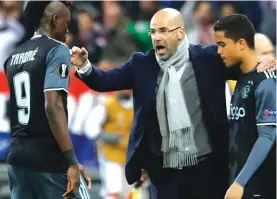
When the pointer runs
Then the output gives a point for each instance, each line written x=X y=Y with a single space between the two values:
x=63 y=70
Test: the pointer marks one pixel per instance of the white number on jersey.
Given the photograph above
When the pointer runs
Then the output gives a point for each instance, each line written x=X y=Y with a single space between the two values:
x=21 y=83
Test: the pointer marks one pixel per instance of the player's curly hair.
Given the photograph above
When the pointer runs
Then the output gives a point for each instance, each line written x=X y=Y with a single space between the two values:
x=34 y=12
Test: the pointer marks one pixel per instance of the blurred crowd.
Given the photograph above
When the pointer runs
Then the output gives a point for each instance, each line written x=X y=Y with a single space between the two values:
x=112 y=30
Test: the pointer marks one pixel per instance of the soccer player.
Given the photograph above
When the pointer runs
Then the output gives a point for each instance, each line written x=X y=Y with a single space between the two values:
x=41 y=151
x=252 y=113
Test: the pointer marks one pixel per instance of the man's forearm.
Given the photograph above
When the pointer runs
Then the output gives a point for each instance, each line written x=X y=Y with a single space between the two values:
x=58 y=124
x=257 y=156
x=92 y=77
x=119 y=78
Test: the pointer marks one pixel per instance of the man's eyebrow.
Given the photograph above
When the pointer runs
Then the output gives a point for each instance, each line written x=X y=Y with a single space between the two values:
x=158 y=28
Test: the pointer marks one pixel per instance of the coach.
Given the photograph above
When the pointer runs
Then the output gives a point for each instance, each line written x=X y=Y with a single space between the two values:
x=180 y=129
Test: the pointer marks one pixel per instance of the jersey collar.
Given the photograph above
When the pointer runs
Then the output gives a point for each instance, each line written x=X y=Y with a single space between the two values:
x=36 y=36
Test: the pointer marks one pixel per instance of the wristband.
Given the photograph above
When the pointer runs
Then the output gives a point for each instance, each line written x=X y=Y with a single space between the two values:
x=70 y=157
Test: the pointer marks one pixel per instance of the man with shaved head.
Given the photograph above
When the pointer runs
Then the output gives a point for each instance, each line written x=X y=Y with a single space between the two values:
x=263 y=45
x=41 y=161
x=166 y=49
x=180 y=129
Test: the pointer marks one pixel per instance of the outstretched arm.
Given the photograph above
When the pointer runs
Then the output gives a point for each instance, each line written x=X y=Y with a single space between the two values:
x=119 y=78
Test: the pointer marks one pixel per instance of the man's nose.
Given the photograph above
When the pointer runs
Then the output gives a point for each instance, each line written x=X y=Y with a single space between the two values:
x=219 y=51
x=156 y=39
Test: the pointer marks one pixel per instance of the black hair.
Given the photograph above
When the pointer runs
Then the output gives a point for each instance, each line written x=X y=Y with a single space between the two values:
x=235 y=27
x=34 y=12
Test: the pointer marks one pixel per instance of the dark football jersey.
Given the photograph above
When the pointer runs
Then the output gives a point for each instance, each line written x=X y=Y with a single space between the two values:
x=252 y=106
x=37 y=66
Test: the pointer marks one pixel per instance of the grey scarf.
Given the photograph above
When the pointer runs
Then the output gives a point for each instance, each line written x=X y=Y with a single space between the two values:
x=177 y=131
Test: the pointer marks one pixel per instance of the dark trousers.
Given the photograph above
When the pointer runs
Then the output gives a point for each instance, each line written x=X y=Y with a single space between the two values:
x=252 y=194
x=195 y=182
x=261 y=190
x=27 y=184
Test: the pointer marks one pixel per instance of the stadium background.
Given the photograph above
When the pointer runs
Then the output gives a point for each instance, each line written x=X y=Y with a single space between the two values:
x=111 y=32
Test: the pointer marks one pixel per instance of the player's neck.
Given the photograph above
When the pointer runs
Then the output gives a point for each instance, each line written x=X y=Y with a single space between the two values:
x=249 y=61
x=44 y=31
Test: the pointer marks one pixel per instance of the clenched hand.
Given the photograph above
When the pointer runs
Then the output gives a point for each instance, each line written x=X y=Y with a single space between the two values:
x=79 y=56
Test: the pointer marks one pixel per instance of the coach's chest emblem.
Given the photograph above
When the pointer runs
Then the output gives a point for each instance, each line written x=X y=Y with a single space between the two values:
x=245 y=91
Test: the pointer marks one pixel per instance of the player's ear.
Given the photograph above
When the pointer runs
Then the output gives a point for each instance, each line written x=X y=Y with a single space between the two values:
x=55 y=20
x=241 y=44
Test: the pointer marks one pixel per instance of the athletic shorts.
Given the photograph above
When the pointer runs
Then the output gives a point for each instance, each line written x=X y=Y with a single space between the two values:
x=27 y=184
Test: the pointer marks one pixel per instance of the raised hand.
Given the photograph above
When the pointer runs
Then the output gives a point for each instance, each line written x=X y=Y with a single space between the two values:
x=79 y=56
x=267 y=63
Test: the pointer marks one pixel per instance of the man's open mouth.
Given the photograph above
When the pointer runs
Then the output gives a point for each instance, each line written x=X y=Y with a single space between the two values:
x=160 y=49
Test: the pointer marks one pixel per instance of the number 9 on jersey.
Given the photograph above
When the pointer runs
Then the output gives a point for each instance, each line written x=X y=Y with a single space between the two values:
x=22 y=95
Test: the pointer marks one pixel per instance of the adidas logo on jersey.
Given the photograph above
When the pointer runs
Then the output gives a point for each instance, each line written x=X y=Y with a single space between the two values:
x=269 y=74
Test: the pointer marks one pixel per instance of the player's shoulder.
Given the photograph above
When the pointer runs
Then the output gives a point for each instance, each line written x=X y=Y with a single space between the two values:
x=263 y=80
x=264 y=76
x=56 y=45
x=268 y=75
x=42 y=42
x=47 y=43
x=58 y=49
x=56 y=42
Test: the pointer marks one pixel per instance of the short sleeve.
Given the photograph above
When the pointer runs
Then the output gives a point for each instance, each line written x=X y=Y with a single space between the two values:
x=266 y=102
x=57 y=69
